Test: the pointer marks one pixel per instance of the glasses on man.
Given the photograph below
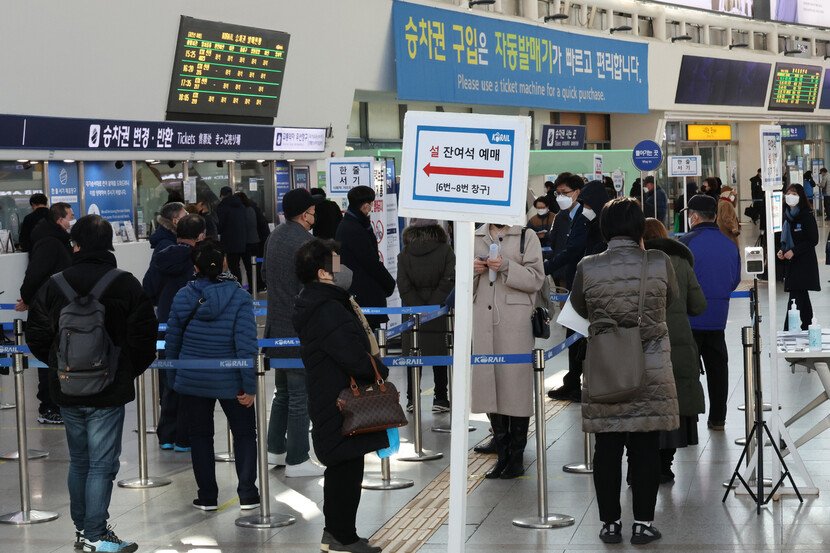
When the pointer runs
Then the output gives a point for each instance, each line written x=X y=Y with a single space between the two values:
x=311 y=213
x=557 y=194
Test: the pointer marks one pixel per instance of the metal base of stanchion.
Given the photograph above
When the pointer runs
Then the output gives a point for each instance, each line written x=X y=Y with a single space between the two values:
x=224 y=457
x=422 y=456
x=767 y=407
x=270 y=521
x=542 y=523
x=579 y=468
x=138 y=483
x=151 y=430
x=6 y=406
x=446 y=429
x=33 y=454
x=742 y=441
x=28 y=517
x=390 y=484
x=752 y=483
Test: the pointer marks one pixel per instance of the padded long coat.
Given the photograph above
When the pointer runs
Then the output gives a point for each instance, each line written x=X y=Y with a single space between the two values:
x=611 y=281
x=501 y=322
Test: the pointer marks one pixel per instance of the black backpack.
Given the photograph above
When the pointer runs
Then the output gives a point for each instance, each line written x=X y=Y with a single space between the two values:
x=87 y=357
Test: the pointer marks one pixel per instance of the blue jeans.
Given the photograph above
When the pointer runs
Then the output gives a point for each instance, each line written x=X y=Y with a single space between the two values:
x=93 y=435
x=288 y=424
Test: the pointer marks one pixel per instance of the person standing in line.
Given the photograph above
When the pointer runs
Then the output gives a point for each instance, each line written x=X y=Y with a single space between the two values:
x=40 y=211
x=371 y=282
x=685 y=359
x=502 y=308
x=335 y=344
x=824 y=188
x=711 y=187
x=167 y=219
x=288 y=424
x=51 y=253
x=426 y=275
x=542 y=221
x=256 y=232
x=608 y=285
x=656 y=203
x=232 y=229
x=718 y=270
x=728 y=221
x=94 y=423
x=799 y=237
x=170 y=270
x=212 y=317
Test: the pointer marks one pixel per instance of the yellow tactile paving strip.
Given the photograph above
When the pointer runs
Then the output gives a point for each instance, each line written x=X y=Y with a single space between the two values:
x=413 y=525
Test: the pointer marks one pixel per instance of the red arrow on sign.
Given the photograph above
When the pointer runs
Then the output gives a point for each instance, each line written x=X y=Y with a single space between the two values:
x=462 y=171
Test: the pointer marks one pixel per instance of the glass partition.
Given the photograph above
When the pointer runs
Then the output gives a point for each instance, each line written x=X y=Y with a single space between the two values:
x=18 y=181
x=156 y=184
x=254 y=178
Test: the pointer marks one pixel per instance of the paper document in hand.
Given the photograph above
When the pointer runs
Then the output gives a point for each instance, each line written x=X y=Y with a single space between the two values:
x=571 y=319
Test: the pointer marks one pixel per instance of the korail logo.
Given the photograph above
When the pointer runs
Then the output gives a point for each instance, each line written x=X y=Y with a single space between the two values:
x=500 y=137
x=241 y=363
x=94 y=135
x=484 y=359
x=405 y=362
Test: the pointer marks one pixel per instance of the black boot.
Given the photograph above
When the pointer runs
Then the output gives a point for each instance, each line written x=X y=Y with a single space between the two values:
x=487 y=447
x=501 y=439
x=518 y=440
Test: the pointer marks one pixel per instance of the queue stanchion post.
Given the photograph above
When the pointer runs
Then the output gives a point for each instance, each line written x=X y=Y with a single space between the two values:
x=20 y=405
x=264 y=519
x=26 y=515
x=447 y=428
x=143 y=481
x=254 y=278
x=586 y=467
x=155 y=392
x=415 y=394
x=227 y=456
x=543 y=519
x=385 y=482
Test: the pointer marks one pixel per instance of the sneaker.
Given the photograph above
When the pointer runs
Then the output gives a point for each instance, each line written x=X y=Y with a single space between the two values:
x=409 y=407
x=248 y=504
x=642 y=534
x=109 y=543
x=611 y=533
x=305 y=469
x=203 y=505
x=441 y=406
x=181 y=449
x=329 y=543
x=50 y=417
x=79 y=540
x=277 y=459
x=166 y=446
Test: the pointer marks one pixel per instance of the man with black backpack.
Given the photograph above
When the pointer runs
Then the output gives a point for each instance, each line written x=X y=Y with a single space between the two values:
x=95 y=328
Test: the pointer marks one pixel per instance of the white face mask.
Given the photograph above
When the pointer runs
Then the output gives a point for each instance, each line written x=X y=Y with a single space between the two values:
x=542 y=212
x=792 y=199
x=565 y=202
x=588 y=213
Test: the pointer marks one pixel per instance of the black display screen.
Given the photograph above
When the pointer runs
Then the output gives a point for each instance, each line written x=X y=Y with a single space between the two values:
x=825 y=92
x=722 y=82
x=795 y=87
x=225 y=72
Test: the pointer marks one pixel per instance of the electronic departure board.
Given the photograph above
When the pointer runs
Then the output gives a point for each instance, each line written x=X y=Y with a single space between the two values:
x=225 y=72
x=795 y=87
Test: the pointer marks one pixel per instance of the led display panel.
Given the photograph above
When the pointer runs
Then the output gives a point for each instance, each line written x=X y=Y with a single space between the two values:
x=744 y=8
x=825 y=92
x=722 y=82
x=225 y=72
x=794 y=87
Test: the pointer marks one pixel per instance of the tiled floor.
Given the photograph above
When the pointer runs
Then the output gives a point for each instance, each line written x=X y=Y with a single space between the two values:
x=689 y=512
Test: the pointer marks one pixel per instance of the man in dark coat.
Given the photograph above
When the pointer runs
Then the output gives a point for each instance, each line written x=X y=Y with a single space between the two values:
x=170 y=270
x=50 y=254
x=94 y=423
x=718 y=270
x=167 y=219
x=656 y=202
x=233 y=231
x=40 y=210
x=371 y=282
x=288 y=424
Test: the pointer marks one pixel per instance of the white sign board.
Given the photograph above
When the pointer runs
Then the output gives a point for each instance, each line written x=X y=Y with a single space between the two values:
x=344 y=173
x=465 y=167
x=190 y=190
x=684 y=166
x=619 y=180
x=290 y=139
x=597 y=166
x=771 y=157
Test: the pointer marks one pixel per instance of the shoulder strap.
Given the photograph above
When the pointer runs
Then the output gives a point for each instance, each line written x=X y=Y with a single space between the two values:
x=104 y=282
x=64 y=286
x=643 y=276
x=192 y=314
x=522 y=241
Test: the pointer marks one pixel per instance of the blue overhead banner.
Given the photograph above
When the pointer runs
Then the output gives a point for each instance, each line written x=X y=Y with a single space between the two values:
x=108 y=191
x=449 y=56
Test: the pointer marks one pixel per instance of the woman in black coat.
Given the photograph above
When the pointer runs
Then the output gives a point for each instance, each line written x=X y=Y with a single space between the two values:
x=799 y=237
x=334 y=345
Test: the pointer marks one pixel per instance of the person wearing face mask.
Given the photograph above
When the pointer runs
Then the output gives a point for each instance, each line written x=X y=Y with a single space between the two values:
x=799 y=237
x=288 y=424
x=51 y=253
x=371 y=282
x=542 y=221
x=167 y=219
x=656 y=203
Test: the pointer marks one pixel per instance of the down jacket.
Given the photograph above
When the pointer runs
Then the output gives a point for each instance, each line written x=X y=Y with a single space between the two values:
x=223 y=327
x=611 y=281
x=685 y=360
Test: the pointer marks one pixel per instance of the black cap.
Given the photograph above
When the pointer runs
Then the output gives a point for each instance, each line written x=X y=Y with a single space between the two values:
x=702 y=202
x=225 y=191
x=295 y=202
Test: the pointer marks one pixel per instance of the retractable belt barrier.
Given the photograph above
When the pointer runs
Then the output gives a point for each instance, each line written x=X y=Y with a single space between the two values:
x=732 y=296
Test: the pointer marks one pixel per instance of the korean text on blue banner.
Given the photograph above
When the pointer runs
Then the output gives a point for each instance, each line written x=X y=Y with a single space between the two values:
x=448 y=56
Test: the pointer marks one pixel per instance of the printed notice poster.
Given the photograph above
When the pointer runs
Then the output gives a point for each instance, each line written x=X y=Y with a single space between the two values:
x=109 y=191
x=282 y=178
x=63 y=185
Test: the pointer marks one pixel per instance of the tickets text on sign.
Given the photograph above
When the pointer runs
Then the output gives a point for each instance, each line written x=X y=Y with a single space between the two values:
x=124 y=136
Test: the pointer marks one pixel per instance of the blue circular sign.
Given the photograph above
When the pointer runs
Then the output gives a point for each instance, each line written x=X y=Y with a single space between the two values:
x=647 y=155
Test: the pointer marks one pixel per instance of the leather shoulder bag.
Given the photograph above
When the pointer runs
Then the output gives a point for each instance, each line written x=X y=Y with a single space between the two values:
x=370 y=407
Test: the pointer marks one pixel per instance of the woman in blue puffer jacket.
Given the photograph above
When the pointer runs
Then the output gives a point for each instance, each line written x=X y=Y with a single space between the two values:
x=213 y=318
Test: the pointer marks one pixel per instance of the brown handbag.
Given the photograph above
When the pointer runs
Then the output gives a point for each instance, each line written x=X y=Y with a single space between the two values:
x=370 y=407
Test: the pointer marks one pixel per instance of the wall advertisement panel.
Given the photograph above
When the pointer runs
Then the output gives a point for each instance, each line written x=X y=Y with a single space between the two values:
x=108 y=191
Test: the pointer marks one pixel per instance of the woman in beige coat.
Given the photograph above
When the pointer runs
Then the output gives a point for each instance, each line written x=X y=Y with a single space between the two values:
x=501 y=326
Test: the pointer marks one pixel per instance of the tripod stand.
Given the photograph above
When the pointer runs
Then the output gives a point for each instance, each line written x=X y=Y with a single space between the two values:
x=759 y=427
